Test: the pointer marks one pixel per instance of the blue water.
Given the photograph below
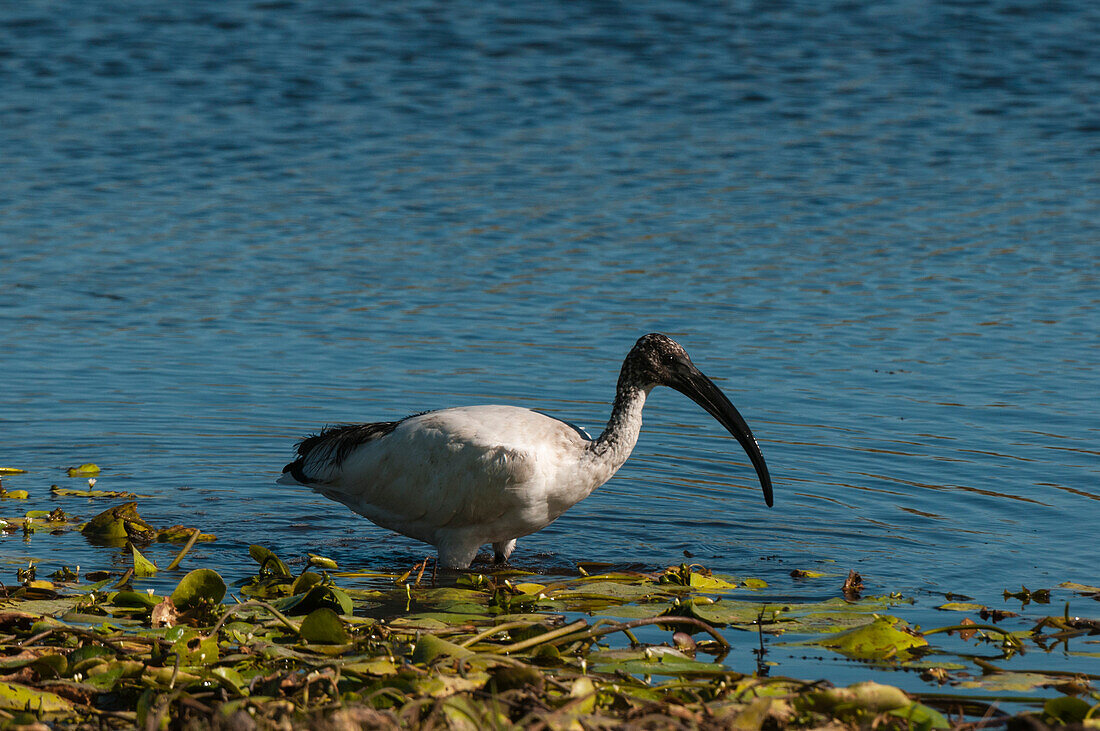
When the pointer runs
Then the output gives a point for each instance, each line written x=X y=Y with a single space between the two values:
x=224 y=225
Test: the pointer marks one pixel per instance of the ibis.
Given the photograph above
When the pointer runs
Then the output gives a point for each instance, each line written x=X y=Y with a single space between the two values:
x=463 y=477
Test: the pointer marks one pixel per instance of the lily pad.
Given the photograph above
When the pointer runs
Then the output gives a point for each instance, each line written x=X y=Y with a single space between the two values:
x=323 y=626
x=139 y=599
x=961 y=607
x=711 y=583
x=17 y=697
x=868 y=696
x=807 y=574
x=653 y=661
x=1012 y=681
x=88 y=469
x=192 y=648
x=182 y=534
x=58 y=491
x=1079 y=588
x=429 y=647
x=612 y=591
x=883 y=639
x=199 y=586
x=1066 y=710
x=724 y=612
x=372 y=666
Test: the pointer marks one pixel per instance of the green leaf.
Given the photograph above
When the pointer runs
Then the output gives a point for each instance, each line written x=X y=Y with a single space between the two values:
x=269 y=562
x=429 y=647
x=182 y=534
x=877 y=640
x=611 y=591
x=961 y=607
x=323 y=626
x=921 y=717
x=305 y=581
x=16 y=697
x=58 y=491
x=87 y=652
x=652 y=661
x=1080 y=588
x=711 y=583
x=1012 y=681
x=142 y=565
x=867 y=696
x=807 y=574
x=192 y=648
x=317 y=597
x=725 y=612
x=1065 y=709
x=121 y=521
x=321 y=562
x=134 y=599
x=230 y=679
x=372 y=666
x=201 y=585
x=88 y=469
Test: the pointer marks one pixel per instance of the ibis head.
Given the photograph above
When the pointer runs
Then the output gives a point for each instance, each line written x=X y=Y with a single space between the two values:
x=658 y=360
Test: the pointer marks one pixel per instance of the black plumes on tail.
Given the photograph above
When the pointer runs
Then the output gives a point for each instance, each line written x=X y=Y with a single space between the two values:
x=333 y=445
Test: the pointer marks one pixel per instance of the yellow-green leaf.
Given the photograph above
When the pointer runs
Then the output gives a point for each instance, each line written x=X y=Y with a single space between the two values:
x=877 y=640
x=88 y=469
x=429 y=647
x=322 y=562
x=198 y=586
x=961 y=607
x=16 y=697
x=142 y=565
x=323 y=626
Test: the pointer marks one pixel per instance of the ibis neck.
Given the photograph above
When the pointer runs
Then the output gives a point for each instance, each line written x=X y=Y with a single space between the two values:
x=617 y=441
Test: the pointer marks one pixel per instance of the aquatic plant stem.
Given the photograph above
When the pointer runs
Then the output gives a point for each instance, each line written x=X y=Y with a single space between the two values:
x=966 y=628
x=1008 y=636
x=545 y=637
x=183 y=552
x=83 y=634
x=254 y=603
x=504 y=627
x=599 y=631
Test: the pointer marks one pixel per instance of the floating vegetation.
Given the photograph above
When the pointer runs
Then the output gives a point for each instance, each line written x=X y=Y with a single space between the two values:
x=58 y=491
x=88 y=469
x=297 y=649
x=122 y=524
x=313 y=646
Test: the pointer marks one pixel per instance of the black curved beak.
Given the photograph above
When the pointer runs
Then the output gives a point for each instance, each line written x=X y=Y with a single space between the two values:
x=691 y=382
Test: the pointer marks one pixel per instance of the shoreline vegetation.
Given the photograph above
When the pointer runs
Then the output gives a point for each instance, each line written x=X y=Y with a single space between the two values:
x=606 y=648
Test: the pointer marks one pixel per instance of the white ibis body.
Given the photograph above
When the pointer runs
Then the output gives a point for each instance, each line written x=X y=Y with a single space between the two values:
x=463 y=477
